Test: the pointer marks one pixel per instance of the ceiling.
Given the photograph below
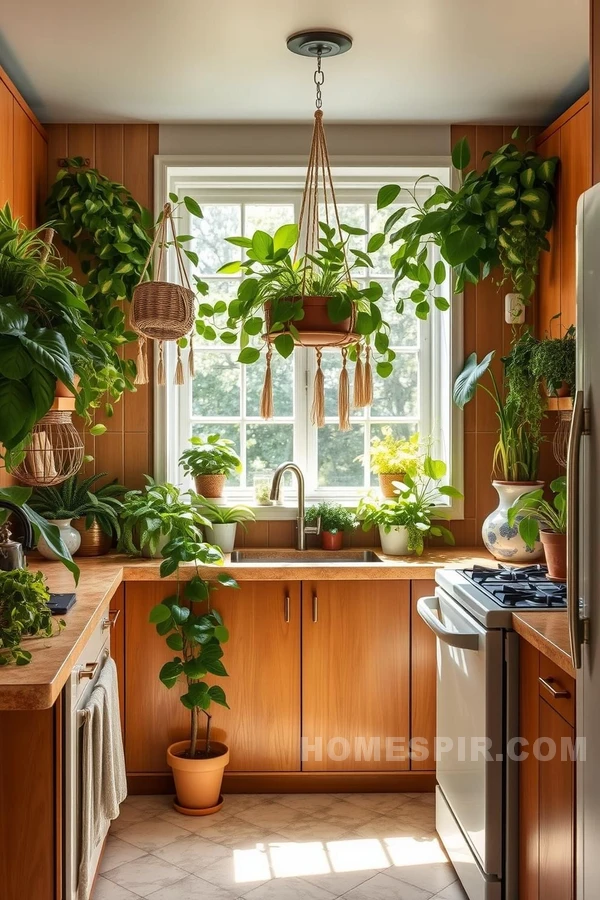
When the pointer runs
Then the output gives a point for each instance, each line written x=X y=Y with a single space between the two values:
x=226 y=60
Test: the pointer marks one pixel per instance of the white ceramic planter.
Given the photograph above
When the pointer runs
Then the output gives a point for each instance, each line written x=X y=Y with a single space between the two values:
x=222 y=535
x=395 y=541
x=70 y=537
x=503 y=541
x=163 y=539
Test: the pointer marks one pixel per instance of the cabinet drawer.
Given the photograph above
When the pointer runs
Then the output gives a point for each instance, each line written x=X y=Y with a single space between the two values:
x=558 y=689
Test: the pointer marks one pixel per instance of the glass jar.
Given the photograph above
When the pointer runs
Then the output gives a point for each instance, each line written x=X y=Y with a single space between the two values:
x=262 y=488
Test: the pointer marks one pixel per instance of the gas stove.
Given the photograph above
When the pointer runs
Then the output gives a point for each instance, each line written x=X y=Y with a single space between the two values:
x=526 y=587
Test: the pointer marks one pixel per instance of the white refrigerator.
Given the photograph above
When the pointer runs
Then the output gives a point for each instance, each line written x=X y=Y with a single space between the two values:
x=583 y=542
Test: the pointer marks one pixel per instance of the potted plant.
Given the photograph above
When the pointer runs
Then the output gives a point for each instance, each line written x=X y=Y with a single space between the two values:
x=335 y=519
x=554 y=361
x=516 y=455
x=392 y=458
x=536 y=518
x=210 y=460
x=405 y=521
x=224 y=521
x=151 y=517
x=94 y=514
x=47 y=336
x=497 y=217
x=24 y=612
x=196 y=637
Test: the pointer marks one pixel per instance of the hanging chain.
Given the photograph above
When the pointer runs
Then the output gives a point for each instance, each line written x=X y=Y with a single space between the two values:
x=319 y=78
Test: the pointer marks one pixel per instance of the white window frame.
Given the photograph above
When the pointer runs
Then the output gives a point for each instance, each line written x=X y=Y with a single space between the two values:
x=443 y=335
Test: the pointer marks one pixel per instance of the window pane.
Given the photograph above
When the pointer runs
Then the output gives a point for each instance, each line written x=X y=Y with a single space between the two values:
x=397 y=395
x=267 y=446
x=398 y=429
x=282 y=372
x=231 y=432
x=404 y=327
x=337 y=456
x=216 y=388
x=267 y=216
x=331 y=364
x=220 y=221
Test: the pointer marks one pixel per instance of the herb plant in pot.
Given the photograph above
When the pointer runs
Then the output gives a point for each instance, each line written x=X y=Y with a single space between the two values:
x=537 y=519
x=224 y=521
x=94 y=514
x=516 y=455
x=195 y=635
x=210 y=460
x=554 y=361
x=392 y=458
x=335 y=520
x=151 y=517
x=405 y=521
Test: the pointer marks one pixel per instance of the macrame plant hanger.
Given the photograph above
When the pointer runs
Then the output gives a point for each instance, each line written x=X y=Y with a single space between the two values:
x=318 y=188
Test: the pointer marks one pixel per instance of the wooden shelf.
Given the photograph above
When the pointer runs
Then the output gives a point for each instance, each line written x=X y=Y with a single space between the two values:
x=560 y=404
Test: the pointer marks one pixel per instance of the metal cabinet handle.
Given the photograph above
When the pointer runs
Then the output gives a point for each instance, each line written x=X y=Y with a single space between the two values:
x=286 y=608
x=315 y=607
x=110 y=620
x=88 y=671
x=548 y=683
x=429 y=609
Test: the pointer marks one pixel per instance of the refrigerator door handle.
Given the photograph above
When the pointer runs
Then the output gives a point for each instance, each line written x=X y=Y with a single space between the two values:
x=576 y=625
x=428 y=608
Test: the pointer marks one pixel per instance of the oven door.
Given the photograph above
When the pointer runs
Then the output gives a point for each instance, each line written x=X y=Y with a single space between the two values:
x=469 y=743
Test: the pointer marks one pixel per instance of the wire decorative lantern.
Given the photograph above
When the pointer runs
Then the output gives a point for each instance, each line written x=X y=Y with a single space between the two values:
x=55 y=453
x=162 y=310
x=560 y=442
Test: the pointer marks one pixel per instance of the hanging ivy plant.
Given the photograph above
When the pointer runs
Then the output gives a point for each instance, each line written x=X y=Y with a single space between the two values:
x=498 y=217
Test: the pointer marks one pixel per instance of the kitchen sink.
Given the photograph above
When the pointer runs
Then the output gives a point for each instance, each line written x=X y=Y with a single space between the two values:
x=305 y=557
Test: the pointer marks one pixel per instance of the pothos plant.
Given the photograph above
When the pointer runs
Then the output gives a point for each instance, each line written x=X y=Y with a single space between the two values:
x=111 y=234
x=24 y=612
x=193 y=633
x=497 y=217
x=273 y=279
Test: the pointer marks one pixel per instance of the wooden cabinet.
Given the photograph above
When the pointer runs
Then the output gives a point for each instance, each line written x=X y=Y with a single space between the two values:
x=569 y=138
x=423 y=676
x=355 y=675
x=547 y=783
x=262 y=657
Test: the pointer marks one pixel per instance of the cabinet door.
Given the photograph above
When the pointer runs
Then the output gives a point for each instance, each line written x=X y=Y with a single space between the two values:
x=23 y=163
x=355 y=675
x=575 y=178
x=423 y=681
x=117 y=644
x=556 y=805
x=6 y=145
x=262 y=657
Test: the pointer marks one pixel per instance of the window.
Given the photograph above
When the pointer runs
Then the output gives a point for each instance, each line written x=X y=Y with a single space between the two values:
x=224 y=396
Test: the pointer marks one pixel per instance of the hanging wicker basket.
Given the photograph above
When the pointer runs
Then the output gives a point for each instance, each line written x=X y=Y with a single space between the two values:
x=55 y=453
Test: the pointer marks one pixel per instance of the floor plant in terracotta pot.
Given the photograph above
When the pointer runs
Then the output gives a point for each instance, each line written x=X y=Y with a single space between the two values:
x=210 y=461
x=334 y=520
x=195 y=632
x=537 y=518
x=224 y=521
x=391 y=458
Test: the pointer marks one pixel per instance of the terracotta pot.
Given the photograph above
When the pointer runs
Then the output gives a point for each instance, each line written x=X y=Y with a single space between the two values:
x=210 y=486
x=316 y=317
x=563 y=391
x=555 y=549
x=197 y=781
x=61 y=389
x=94 y=542
x=332 y=540
x=386 y=485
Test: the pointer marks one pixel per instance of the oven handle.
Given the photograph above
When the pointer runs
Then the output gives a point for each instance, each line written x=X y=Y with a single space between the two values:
x=429 y=608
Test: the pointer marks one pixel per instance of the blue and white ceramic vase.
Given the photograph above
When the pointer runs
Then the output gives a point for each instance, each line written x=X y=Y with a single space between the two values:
x=503 y=541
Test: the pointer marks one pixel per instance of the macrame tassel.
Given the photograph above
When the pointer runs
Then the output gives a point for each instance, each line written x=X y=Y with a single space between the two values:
x=178 y=379
x=317 y=413
x=191 y=361
x=344 y=395
x=266 y=400
x=358 y=400
x=160 y=369
x=141 y=376
x=368 y=379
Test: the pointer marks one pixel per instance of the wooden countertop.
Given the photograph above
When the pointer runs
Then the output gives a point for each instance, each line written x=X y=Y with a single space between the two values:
x=38 y=685
x=549 y=633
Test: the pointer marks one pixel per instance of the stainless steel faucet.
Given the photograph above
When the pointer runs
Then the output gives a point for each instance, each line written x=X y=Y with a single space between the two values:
x=302 y=528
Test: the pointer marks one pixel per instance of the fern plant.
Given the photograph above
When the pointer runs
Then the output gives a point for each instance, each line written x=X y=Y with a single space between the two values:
x=74 y=499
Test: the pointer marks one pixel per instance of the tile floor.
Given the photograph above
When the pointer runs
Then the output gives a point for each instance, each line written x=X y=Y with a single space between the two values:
x=279 y=847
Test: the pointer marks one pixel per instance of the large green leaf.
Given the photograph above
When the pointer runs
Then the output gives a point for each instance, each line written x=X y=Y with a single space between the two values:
x=284 y=344
x=285 y=237
x=49 y=349
x=15 y=361
x=461 y=154
x=52 y=537
x=13 y=319
x=387 y=194
x=262 y=246
x=466 y=383
x=16 y=409
x=461 y=245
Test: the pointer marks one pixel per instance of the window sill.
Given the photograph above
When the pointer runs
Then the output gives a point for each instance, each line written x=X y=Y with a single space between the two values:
x=287 y=511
